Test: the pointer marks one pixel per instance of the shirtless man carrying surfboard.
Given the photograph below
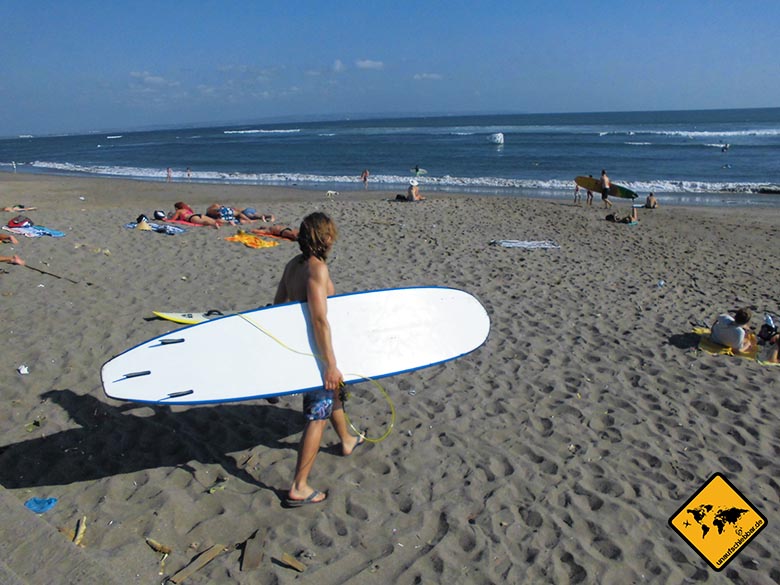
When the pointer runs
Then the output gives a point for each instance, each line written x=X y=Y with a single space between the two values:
x=306 y=278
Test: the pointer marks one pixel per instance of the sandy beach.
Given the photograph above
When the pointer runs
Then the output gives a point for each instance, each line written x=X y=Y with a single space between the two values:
x=555 y=453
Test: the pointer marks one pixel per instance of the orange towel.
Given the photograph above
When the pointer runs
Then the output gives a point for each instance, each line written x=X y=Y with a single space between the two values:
x=251 y=241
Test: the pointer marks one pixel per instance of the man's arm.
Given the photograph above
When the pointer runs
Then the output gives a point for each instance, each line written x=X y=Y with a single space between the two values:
x=317 y=298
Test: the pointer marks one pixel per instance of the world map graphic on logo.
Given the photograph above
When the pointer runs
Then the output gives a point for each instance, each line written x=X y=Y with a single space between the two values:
x=720 y=518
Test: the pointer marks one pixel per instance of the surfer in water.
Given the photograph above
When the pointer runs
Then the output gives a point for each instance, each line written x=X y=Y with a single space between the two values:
x=605 y=185
x=306 y=278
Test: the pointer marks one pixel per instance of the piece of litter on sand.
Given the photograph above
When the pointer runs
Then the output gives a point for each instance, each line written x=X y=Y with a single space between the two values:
x=23 y=370
x=160 y=548
x=530 y=244
x=81 y=530
x=293 y=563
x=253 y=551
x=198 y=563
x=40 y=505
x=36 y=423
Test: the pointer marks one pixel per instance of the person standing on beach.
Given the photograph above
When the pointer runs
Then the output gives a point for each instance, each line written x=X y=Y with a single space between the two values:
x=589 y=195
x=306 y=279
x=577 y=196
x=169 y=173
x=605 y=185
x=364 y=177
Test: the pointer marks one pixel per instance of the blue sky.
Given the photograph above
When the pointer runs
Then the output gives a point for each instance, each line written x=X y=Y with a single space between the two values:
x=80 y=66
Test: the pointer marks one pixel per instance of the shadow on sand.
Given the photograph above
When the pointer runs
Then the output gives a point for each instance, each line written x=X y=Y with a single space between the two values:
x=113 y=440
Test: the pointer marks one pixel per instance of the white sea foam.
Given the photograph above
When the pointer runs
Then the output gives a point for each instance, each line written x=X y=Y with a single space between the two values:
x=114 y=137
x=639 y=143
x=391 y=181
x=763 y=132
x=260 y=131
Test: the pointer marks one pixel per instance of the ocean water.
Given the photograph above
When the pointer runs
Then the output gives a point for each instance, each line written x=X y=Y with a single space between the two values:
x=713 y=157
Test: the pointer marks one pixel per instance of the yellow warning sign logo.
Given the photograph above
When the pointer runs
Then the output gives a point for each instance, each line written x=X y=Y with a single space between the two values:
x=718 y=521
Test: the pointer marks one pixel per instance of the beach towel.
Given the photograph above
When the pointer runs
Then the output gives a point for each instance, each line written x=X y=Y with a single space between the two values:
x=182 y=222
x=532 y=244
x=170 y=230
x=251 y=240
x=34 y=231
x=708 y=346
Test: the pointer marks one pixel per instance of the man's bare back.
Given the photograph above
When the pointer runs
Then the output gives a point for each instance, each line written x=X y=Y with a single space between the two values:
x=296 y=277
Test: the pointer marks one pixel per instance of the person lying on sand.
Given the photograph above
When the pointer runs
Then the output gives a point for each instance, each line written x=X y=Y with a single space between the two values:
x=185 y=213
x=632 y=218
x=279 y=231
x=225 y=214
x=251 y=213
x=12 y=260
x=18 y=208
x=6 y=239
x=734 y=332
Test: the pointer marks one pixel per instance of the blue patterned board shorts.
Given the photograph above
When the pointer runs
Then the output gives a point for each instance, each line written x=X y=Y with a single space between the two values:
x=226 y=213
x=318 y=404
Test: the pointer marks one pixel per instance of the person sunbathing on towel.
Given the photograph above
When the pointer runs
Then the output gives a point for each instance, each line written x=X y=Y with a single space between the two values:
x=19 y=208
x=185 y=213
x=225 y=214
x=251 y=213
x=280 y=231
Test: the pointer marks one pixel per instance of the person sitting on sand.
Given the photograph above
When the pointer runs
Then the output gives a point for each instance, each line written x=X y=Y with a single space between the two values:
x=631 y=219
x=225 y=214
x=412 y=193
x=279 y=231
x=12 y=260
x=7 y=239
x=733 y=331
x=773 y=356
x=651 y=202
x=185 y=213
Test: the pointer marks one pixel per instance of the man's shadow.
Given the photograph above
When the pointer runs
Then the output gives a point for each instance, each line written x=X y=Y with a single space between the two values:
x=113 y=440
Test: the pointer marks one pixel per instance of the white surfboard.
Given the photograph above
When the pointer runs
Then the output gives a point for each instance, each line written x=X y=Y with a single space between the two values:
x=270 y=351
x=189 y=318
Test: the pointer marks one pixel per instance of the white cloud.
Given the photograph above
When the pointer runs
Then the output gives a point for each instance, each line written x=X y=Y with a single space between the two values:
x=428 y=76
x=369 y=64
x=150 y=80
x=338 y=66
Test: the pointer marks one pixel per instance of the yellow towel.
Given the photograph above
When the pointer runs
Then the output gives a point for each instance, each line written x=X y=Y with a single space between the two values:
x=251 y=240
x=706 y=344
